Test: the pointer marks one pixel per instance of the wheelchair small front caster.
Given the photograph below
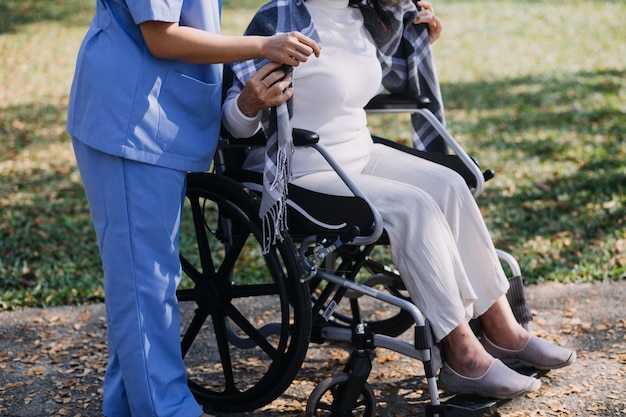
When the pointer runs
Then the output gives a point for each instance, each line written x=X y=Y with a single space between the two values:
x=326 y=399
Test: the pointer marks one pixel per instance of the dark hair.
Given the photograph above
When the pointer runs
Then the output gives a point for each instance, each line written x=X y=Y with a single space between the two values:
x=375 y=5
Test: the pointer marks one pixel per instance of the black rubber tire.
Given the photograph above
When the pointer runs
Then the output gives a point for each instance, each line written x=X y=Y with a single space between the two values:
x=245 y=317
x=322 y=401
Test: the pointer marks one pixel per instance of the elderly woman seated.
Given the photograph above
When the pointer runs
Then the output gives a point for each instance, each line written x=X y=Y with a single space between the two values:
x=439 y=241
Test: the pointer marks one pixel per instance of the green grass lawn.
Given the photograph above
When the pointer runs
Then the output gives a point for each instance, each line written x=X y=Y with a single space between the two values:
x=536 y=90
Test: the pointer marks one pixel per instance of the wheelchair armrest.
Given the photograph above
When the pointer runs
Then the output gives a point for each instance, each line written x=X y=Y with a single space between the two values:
x=231 y=152
x=301 y=137
x=376 y=229
x=451 y=161
x=396 y=103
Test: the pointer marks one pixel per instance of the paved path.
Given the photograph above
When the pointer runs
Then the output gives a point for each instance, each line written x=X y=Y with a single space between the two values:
x=52 y=361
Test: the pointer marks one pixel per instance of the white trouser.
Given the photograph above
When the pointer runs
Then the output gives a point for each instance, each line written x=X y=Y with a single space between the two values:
x=439 y=241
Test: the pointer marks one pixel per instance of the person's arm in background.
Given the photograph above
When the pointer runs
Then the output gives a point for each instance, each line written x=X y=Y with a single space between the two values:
x=427 y=15
x=168 y=40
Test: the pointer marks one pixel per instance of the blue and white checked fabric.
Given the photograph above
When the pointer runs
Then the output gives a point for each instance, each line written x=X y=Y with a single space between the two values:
x=408 y=68
x=279 y=16
x=406 y=59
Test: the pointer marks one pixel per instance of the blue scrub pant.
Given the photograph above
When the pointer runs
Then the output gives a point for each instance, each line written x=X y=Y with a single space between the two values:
x=136 y=211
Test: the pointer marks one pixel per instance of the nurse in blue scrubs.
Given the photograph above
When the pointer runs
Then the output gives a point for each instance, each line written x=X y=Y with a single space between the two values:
x=144 y=110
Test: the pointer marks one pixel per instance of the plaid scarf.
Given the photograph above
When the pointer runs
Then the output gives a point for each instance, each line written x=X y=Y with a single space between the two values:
x=277 y=16
x=408 y=67
x=405 y=56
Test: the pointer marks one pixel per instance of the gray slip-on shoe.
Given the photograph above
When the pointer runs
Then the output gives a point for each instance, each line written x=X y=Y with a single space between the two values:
x=537 y=353
x=499 y=381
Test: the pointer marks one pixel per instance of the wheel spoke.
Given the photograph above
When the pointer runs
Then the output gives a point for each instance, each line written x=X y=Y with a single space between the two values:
x=184 y=295
x=190 y=270
x=221 y=335
x=251 y=332
x=232 y=254
x=192 y=330
x=256 y=290
x=202 y=239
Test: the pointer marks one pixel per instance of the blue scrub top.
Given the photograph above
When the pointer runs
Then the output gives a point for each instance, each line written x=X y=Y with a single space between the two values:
x=126 y=102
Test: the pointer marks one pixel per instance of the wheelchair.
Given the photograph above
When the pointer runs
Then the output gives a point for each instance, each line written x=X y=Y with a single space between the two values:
x=248 y=317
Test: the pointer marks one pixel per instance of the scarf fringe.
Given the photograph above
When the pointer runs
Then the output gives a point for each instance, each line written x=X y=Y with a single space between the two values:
x=274 y=223
x=273 y=211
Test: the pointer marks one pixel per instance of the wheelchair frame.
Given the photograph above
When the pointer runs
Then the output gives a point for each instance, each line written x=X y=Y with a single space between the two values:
x=292 y=283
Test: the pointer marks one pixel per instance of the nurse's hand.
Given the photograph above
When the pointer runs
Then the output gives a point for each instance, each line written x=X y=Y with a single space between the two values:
x=290 y=48
x=427 y=15
x=269 y=87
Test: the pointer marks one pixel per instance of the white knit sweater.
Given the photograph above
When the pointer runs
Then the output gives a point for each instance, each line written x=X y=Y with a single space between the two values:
x=329 y=93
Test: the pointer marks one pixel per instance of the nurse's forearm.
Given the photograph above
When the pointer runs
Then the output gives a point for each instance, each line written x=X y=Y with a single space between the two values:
x=171 y=41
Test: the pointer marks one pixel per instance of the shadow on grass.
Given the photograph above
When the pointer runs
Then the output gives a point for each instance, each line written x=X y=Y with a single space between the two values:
x=14 y=13
x=587 y=205
x=572 y=228
x=48 y=252
x=31 y=124
x=564 y=142
x=47 y=244
x=582 y=103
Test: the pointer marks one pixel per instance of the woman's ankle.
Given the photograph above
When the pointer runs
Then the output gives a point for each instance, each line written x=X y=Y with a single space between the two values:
x=465 y=354
x=471 y=366
x=501 y=327
x=512 y=339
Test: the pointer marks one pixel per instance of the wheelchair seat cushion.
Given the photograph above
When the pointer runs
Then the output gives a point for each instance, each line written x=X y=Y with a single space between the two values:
x=313 y=213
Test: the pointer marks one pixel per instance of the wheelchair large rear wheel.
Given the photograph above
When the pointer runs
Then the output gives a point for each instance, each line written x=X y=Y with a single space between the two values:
x=245 y=317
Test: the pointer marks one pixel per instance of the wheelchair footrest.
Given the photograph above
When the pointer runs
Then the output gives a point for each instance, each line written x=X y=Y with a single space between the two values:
x=462 y=405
